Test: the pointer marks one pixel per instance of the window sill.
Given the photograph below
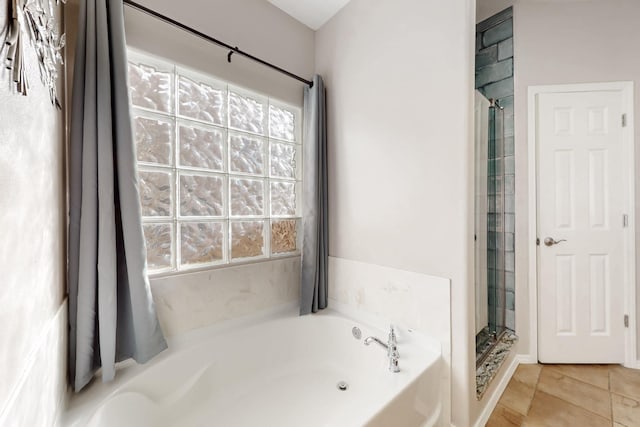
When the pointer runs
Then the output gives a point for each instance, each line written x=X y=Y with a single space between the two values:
x=166 y=274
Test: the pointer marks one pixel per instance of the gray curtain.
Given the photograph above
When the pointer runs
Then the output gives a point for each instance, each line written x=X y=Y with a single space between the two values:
x=315 y=218
x=111 y=312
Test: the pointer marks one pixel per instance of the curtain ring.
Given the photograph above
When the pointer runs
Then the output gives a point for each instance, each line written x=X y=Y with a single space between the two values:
x=231 y=52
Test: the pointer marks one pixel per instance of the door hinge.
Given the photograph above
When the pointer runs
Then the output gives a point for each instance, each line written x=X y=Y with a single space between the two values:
x=624 y=120
x=625 y=220
x=626 y=320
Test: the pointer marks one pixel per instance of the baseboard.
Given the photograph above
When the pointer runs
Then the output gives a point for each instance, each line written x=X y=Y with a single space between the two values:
x=527 y=359
x=497 y=393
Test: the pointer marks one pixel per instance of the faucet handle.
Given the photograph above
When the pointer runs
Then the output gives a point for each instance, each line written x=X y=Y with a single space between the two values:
x=392 y=336
x=392 y=352
x=393 y=365
x=392 y=341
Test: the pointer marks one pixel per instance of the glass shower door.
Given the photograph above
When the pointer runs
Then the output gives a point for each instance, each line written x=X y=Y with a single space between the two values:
x=489 y=234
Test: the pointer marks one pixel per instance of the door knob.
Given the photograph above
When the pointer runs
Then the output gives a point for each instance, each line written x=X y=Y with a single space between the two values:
x=548 y=241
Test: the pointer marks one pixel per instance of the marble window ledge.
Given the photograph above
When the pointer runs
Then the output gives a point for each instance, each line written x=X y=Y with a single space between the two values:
x=486 y=372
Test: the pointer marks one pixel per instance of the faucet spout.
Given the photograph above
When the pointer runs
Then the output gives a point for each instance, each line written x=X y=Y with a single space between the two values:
x=391 y=347
x=368 y=341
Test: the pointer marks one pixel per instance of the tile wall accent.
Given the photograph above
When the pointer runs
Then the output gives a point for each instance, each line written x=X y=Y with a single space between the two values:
x=193 y=300
x=41 y=390
x=405 y=298
x=494 y=79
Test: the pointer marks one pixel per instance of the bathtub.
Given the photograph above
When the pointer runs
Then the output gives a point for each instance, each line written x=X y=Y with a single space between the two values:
x=281 y=372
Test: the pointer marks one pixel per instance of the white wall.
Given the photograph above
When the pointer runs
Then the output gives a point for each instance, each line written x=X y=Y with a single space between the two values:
x=399 y=78
x=559 y=43
x=193 y=300
x=32 y=251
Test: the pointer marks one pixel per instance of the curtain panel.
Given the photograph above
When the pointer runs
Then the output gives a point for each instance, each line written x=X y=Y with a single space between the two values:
x=111 y=312
x=315 y=215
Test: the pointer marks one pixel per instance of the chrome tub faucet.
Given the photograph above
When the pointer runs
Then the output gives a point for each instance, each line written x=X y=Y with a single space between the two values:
x=391 y=346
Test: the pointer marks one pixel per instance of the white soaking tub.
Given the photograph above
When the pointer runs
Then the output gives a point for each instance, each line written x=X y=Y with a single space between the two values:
x=281 y=372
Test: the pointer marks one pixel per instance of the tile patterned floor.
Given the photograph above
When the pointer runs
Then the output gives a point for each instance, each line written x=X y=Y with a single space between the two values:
x=570 y=396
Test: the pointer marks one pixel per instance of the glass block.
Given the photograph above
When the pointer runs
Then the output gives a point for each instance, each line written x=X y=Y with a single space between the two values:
x=283 y=198
x=201 y=101
x=247 y=197
x=282 y=123
x=284 y=160
x=201 y=242
x=284 y=236
x=247 y=239
x=158 y=242
x=201 y=195
x=150 y=87
x=246 y=113
x=202 y=148
x=155 y=193
x=246 y=154
x=153 y=140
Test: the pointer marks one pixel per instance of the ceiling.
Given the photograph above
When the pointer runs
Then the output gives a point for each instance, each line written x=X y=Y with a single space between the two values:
x=313 y=13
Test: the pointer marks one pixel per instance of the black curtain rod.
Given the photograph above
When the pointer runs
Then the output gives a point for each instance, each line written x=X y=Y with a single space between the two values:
x=232 y=49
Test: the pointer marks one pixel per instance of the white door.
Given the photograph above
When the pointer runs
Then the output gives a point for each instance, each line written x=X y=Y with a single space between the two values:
x=581 y=198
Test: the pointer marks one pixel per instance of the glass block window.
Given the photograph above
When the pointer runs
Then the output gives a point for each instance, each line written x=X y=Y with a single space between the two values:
x=219 y=168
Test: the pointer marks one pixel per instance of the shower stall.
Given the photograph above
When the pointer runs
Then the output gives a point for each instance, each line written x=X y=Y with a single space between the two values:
x=490 y=290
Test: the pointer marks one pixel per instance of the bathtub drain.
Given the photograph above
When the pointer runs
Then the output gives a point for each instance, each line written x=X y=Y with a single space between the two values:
x=342 y=386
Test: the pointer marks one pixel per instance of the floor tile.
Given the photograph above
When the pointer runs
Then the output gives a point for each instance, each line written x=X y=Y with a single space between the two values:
x=517 y=396
x=626 y=411
x=550 y=411
x=587 y=396
x=528 y=374
x=505 y=417
x=625 y=381
x=597 y=375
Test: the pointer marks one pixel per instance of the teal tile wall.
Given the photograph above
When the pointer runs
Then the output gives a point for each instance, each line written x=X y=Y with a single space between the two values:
x=496 y=90
x=494 y=79
x=487 y=56
x=505 y=49
x=497 y=72
x=498 y=33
